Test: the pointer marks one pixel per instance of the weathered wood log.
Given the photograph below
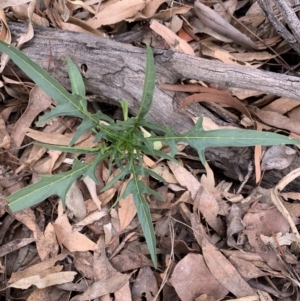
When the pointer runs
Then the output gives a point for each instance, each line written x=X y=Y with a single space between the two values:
x=115 y=72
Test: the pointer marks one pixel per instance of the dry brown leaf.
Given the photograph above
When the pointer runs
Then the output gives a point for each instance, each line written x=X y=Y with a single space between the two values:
x=279 y=239
x=214 y=21
x=93 y=217
x=46 y=281
x=163 y=15
x=223 y=9
x=69 y=238
x=101 y=288
x=102 y=268
x=5 y=139
x=294 y=113
x=246 y=268
x=126 y=212
x=77 y=25
x=216 y=98
x=206 y=204
x=257 y=157
x=130 y=261
x=209 y=94
x=116 y=11
x=252 y=56
x=84 y=5
x=163 y=170
x=244 y=93
x=44 y=246
x=91 y=186
x=151 y=7
x=36 y=269
x=75 y=202
x=279 y=121
x=123 y=293
x=47 y=165
x=208 y=179
x=213 y=50
x=185 y=178
x=54 y=138
x=278 y=157
x=275 y=196
x=38 y=102
x=9 y=3
x=15 y=245
x=21 y=12
x=145 y=285
x=199 y=27
x=27 y=36
x=5 y=36
x=224 y=271
x=267 y=221
x=235 y=224
x=83 y=262
x=191 y=278
x=171 y=38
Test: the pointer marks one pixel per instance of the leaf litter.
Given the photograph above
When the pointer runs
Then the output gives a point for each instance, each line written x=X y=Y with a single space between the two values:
x=213 y=244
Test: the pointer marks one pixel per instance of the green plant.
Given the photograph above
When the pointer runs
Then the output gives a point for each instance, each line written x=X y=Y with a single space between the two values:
x=122 y=142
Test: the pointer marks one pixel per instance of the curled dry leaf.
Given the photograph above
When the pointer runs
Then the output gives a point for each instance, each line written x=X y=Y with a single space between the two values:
x=75 y=202
x=93 y=217
x=174 y=41
x=38 y=102
x=214 y=21
x=208 y=206
x=278 y=157
x=5 y=139
x=113 y=12
x=277 y=200
x=163 y=170
x=15 y=245
x=91 y=186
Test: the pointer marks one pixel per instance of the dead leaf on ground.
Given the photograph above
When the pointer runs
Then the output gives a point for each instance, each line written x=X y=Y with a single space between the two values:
x=225 y=272
x=46 y=281
x=174 y=41
x=145 y=285
x=69 y=238
x=191 y=278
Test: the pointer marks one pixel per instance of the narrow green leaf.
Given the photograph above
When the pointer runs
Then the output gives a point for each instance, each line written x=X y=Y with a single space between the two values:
x=39 y=75
x=124 y=106
x=149 y=85
x=137 y=188
x=124 y=172
x=71 y=149
x=200 y=139
x=76 y=80
x=91 y=170
x=68 y=104
x=58 y=184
